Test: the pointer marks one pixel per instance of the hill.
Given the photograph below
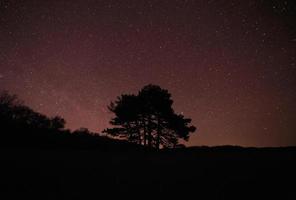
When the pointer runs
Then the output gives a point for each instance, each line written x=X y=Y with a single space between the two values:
x=198 y=172
x=40 y=159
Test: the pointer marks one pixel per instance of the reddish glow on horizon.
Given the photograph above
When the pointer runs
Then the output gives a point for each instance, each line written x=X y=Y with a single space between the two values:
x=230 y=65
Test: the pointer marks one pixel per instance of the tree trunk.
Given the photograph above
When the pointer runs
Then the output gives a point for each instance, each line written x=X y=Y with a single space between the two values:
x=144 y=132
x=149 y=133
x=129 y=131
x=158 y=134
x=139 y=133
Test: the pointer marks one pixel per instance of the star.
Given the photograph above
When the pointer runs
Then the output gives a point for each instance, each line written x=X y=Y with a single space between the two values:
x=225 y=64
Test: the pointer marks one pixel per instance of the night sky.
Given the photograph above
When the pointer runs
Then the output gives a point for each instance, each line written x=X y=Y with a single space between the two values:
x=230 y=65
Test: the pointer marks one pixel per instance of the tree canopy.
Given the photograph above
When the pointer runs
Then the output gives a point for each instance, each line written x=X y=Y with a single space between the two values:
x=148 y=118
x=21 y=126
x=13 y=113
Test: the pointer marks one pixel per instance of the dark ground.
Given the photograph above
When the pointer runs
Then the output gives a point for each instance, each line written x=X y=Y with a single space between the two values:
x=192 y=173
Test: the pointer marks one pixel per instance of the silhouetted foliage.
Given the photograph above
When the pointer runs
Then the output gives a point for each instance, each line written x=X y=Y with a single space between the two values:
x=148 y=119
x=82 y=131
x=57 y=123
x=90 y=161
x=14 y=112
x=22 y=127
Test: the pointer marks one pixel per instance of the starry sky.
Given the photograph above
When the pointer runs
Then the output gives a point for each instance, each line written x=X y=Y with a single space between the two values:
x=230 y=65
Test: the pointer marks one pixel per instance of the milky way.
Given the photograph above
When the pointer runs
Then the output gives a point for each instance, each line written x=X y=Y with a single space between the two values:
x=230 y=65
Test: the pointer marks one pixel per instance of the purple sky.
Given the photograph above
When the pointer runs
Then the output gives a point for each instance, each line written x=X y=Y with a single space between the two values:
x=230 y=65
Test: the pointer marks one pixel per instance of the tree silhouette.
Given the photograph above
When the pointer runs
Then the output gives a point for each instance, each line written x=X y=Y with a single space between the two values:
x=127 y=109
x=57 y=123
x=21 y=126
x=148 y=119
x=13 y=114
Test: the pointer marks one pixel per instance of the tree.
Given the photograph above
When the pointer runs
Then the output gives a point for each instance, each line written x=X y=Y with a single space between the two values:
x=127 y=109
x=82 y=132
x=13 y=112
x=7 y=104
x=57 y=123
x=148 y=119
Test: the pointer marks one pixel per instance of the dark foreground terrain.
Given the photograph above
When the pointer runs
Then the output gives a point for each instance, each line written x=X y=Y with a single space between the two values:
x=40 y=159
x=192 y=173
